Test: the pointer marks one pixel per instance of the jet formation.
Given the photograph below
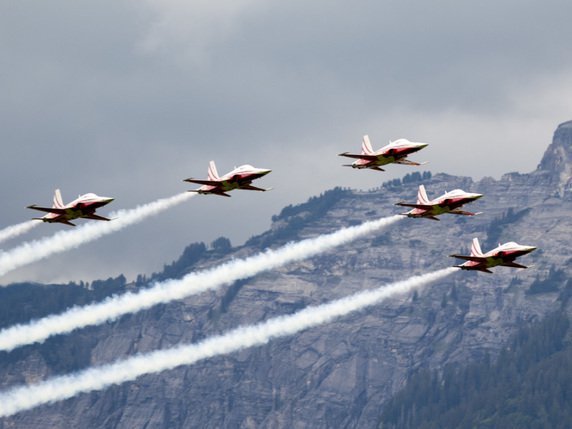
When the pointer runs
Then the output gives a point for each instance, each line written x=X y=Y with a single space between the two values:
x=82 y=207
x=242 y=177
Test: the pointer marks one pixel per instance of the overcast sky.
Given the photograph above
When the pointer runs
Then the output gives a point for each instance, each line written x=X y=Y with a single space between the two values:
x=127 y=98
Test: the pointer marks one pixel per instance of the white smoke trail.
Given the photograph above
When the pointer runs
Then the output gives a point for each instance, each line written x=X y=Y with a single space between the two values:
x=65 y=240
x=113 y=307
x=56 y=389
x=18 y=229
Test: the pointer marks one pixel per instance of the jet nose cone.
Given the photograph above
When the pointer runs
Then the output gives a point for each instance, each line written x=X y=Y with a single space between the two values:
x=476 y=196
x=265 y=171
x=422 y=145
x=107 y=199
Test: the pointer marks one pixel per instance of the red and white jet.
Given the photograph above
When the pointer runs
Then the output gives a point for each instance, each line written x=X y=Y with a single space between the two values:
x=239 y=178
x=503 y=255
x=83 y=207
x=395 y=152
x=446 y=203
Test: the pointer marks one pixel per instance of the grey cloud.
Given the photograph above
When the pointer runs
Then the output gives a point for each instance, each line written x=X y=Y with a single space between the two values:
x=285 y=85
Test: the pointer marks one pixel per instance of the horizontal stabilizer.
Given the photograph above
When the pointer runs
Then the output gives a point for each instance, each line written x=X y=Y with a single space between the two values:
x=415 y=206
x=469 y=258
x=483 y=269
x=53 y=210
x=213 y=191
x=363 y=156
x=203 y=182
x=377 y=167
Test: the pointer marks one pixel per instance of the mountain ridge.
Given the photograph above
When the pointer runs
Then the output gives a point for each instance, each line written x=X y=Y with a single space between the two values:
x=339 y=374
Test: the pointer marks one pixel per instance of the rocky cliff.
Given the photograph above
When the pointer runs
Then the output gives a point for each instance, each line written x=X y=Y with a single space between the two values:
x=340 y=374
x=556 y=163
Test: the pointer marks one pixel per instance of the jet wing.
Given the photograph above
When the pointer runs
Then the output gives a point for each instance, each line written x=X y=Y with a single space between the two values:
x=250 y=187
x=48 y=210
x=67 y=222
x=362 y=156
x=513 y=265
x=203 y=182
x=415 y=206
x=408 y=162
x=462 y=212
x=470 y=258
x=95 y=217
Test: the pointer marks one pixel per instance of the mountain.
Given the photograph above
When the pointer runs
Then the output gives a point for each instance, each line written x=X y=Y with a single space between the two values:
x=340 y=374
x=524 y=388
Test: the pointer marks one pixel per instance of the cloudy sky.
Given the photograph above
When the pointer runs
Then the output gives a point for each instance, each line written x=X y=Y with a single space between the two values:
x=126 y=98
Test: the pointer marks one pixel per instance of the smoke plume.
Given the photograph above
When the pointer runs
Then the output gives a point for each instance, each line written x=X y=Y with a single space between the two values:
x=193 y=283
x=59 y=388
x=18 y=229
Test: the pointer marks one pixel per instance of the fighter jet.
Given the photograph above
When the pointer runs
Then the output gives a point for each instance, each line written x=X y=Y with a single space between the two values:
x=83 y=207
x=239 y=178
x=449 y=202
x=395 y=152
x=503 y=255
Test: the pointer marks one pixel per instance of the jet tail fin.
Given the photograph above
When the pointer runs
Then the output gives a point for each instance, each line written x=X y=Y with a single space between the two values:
x=58 y=201
x=476 y=248
x=366 y=147
x=212 y=172
x=422 y=195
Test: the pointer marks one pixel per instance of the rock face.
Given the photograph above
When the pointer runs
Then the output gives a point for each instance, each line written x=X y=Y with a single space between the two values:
x=557 y=160
x=339 y=374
